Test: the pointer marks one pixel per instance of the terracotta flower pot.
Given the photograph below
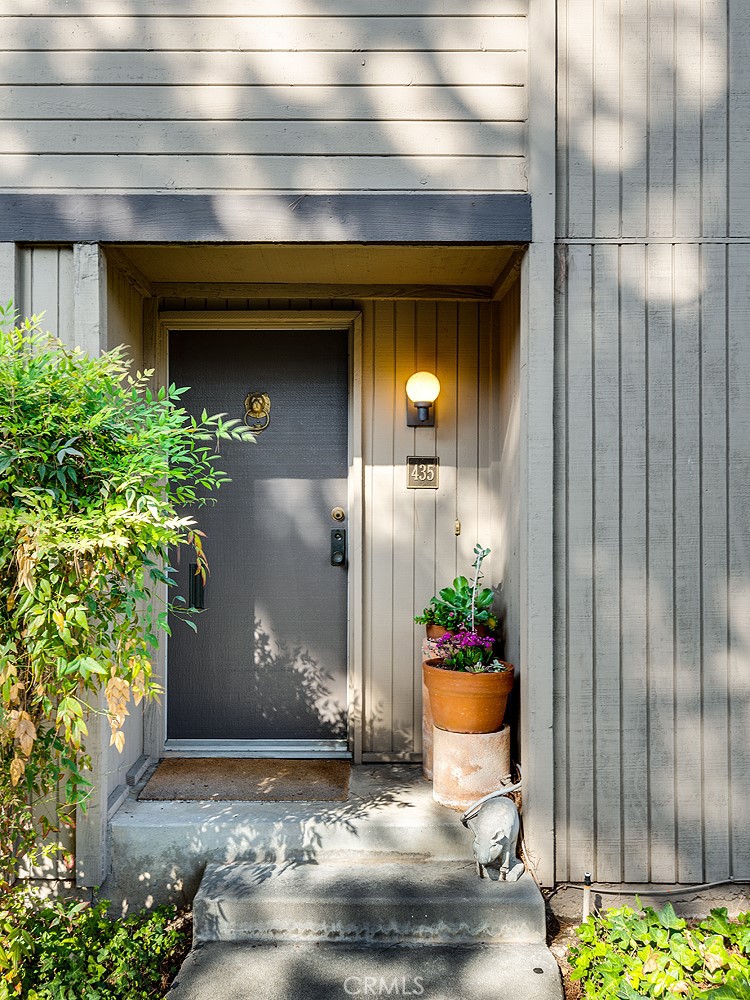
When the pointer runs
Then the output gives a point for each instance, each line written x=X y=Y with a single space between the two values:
x=435 y=631
x=463 y=702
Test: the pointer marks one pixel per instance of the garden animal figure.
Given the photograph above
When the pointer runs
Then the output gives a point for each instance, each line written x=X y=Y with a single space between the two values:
x=494 y=822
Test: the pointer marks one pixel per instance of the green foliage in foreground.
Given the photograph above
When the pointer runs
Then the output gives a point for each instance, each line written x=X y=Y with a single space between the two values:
x=62 y=950
x=631 y=955
x=96 y=472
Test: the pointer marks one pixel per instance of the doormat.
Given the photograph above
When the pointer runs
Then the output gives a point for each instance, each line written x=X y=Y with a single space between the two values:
x=227 y=779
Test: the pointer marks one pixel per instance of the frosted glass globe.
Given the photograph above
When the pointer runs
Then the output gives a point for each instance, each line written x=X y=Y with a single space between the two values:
x=423 y=387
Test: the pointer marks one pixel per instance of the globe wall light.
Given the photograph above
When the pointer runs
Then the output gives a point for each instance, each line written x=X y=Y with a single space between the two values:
x=422 y=390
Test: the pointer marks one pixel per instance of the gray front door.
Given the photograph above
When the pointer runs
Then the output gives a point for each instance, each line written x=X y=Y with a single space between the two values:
x=268 y=664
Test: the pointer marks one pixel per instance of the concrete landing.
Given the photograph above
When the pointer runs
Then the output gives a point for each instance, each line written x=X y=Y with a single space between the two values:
x=373 y=901
x=335 y=971
x=160 y=849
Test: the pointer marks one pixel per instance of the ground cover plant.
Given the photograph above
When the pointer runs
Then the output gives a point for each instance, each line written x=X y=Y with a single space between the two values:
x=96 y=471
x=66 y=950
x=629 y=955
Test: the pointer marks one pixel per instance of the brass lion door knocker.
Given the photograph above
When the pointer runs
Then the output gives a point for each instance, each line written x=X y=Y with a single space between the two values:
x=257 y=411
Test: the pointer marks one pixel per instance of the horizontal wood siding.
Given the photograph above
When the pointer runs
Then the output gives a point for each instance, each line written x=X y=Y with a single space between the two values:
x=304 y=97
x=652 y=551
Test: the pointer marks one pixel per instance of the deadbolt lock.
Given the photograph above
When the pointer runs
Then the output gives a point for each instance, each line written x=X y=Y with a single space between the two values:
x=338 y=547
x=338 y=513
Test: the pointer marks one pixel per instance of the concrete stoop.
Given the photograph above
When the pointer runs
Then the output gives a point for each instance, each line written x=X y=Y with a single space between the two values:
x=374 y=896
x=368 y=928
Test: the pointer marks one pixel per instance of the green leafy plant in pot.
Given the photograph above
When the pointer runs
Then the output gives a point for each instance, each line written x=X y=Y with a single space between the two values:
x=462 y=605
x=467 y=685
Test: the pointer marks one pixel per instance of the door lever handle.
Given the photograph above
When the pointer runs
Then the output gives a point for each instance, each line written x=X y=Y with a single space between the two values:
x=338 y=547
x=196 y=589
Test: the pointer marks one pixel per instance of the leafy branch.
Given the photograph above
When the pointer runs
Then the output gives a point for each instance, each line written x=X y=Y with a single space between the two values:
x=96 y=471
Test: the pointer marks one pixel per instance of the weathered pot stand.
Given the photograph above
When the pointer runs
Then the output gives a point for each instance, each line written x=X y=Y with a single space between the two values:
x=468 y=766
x=470 y=747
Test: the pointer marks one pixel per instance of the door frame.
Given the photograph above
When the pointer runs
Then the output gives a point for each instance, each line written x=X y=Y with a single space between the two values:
x=156 y=340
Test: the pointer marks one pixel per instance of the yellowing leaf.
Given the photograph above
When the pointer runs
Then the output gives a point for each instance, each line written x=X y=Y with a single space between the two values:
x=17 y=767
x=25 y=734
x=713 y=961
x=59 y=620
x=651 y=965
x=118 y=739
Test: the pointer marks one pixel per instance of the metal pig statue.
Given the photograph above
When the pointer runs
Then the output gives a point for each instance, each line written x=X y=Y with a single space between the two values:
x=494 y=822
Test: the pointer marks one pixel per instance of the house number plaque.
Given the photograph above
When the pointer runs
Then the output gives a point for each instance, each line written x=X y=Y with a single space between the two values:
x=422 y=472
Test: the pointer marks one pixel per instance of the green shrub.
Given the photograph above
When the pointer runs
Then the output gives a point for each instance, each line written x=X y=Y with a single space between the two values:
x=62 y=950
x=96 y=471
x=629 y=955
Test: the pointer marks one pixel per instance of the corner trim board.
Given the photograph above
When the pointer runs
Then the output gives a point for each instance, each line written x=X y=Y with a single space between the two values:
x=278 y=218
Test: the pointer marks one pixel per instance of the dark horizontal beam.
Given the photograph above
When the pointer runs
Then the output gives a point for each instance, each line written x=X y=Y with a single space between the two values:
x=507 y=276
x=258 y=290
x=237 y=218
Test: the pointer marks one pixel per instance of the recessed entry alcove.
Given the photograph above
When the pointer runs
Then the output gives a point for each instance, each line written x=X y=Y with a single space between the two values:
x=329 y=662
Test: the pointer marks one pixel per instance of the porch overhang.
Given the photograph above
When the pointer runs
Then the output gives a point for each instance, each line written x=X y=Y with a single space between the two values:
x=271 y=218
x=332 y=271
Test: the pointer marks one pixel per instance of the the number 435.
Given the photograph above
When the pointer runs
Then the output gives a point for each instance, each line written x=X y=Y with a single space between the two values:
x=422 y=472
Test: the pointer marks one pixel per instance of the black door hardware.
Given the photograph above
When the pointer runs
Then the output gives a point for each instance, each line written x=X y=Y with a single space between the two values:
x=338 y=547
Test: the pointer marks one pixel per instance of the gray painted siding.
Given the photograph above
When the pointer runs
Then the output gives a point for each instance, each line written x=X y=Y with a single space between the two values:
x=45 y=288
x=411 y=548
x=652 y=553
x=505 y=472
x=374 y=97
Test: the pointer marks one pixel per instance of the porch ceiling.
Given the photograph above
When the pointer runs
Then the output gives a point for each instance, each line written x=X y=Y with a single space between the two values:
x=352 y=270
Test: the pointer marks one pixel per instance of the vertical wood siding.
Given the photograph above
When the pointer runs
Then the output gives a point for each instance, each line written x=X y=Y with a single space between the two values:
x=652 y=548
x=298 y=96
x=124 y=316
x=410 y=542
x=651 y=538
x=45 y=286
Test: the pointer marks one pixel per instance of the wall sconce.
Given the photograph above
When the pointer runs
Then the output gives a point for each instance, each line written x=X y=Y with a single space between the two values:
x=422 y=390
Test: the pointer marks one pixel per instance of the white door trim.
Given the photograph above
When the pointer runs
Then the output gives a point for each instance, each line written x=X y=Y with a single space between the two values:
x=156 y=330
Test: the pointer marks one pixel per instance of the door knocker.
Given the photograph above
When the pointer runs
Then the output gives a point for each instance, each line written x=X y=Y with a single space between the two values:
x=257 y=411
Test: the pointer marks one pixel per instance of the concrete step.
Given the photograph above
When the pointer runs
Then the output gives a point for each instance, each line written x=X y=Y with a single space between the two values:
x=367 y=902
x=290 y=971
